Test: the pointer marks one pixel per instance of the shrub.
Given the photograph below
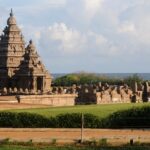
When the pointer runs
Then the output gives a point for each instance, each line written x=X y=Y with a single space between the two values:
x=24 y=120
x=103 y=142
x=132 y=118
x=132 y=79
x=30 y=142
x=8 y=119
x=91 y=121
x=69 y=120
x=53 y=142
x=74 y=120
x=4 y=141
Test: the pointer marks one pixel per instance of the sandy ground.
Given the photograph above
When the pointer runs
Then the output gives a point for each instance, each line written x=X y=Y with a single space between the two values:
x=7 y=106
x=71 y=135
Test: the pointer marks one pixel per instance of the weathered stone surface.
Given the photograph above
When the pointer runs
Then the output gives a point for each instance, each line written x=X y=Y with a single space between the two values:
x=112 y=94
x=51 y=100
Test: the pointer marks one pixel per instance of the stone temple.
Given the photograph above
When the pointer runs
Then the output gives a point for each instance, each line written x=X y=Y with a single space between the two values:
x=20 y=65
x=24 y=79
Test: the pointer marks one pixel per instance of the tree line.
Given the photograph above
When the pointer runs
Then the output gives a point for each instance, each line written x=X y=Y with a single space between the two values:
x=91 y=78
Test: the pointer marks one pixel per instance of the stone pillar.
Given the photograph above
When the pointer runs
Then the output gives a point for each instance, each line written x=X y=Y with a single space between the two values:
x=43 y=86
x=135 y=87
x=35 y=84
x=145 y=92
x=100 y=84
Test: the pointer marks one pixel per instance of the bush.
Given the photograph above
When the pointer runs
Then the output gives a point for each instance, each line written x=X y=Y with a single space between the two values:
x=103 y=142
x=69 y=120
x=74 y=120
x=24 y=120
x=132 y=118
x=132 y=79
x=28 y=120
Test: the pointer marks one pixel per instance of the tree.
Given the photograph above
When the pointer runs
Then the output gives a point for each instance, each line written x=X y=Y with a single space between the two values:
x=132 y=79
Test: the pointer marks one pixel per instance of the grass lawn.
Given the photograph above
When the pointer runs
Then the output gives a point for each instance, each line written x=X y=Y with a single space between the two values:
x=7 y=147
x=99 y=110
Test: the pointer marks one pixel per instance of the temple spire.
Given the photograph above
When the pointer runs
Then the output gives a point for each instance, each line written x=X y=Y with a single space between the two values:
x=11 y=12
x=31 y=42
x=11 y=20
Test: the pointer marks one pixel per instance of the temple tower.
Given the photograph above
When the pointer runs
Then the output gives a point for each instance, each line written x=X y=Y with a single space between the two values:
x=20 y=66
x=12 y=49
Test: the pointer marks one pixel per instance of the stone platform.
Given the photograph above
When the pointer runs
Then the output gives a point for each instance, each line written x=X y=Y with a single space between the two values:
x=8 y=99
x=50 y=100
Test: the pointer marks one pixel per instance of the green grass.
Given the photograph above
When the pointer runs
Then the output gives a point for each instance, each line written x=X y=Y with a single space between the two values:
x=99 y=110
x=7 y=147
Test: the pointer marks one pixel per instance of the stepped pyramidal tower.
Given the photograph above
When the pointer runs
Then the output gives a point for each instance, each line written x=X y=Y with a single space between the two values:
x=20 y=66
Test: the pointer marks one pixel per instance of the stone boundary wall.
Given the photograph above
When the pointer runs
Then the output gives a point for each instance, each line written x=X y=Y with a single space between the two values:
x=51 y=100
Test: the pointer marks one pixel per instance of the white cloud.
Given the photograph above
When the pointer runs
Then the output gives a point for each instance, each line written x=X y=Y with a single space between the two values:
x=69 y=41
x=127 y=27
x=61 y=40
x=56 y=2
x=99 y=39
x=92 y=7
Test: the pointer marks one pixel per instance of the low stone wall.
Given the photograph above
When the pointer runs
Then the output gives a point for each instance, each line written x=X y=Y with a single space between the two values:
x=51 y=100
x=8 y=99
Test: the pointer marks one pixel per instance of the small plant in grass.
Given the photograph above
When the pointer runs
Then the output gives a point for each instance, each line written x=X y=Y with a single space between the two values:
x=138 y=142
x=139 y=139
x=30 y=142
x=5 y=141
x=103 y=142
x=93 y=142
x=85 y=143
x=54 y=141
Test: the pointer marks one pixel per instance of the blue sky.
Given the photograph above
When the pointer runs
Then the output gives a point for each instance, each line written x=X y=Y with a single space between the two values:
x=103 y=36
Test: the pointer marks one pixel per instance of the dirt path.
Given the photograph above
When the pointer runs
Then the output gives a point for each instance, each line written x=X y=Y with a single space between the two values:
x=70 y=135
x=7 y=106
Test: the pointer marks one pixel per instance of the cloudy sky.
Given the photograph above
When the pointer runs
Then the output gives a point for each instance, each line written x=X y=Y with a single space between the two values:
x=103 y=36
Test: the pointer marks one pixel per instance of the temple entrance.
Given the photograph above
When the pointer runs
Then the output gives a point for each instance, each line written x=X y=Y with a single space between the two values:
x=39 y=83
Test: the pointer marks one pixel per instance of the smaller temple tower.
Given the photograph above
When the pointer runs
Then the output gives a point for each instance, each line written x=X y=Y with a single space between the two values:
x=33 y=71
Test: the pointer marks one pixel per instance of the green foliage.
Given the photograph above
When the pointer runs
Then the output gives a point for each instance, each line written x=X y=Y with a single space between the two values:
x=91 y=78
x=5 y=141
x=69 y=120
x=74 y=120
x=20 y=147
x=132 y=79
x=103 y=142
x=53 y=142
x=67 y=80
x=84 y=78
x=24 y=120
x=30 y=142
x=132 y=118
